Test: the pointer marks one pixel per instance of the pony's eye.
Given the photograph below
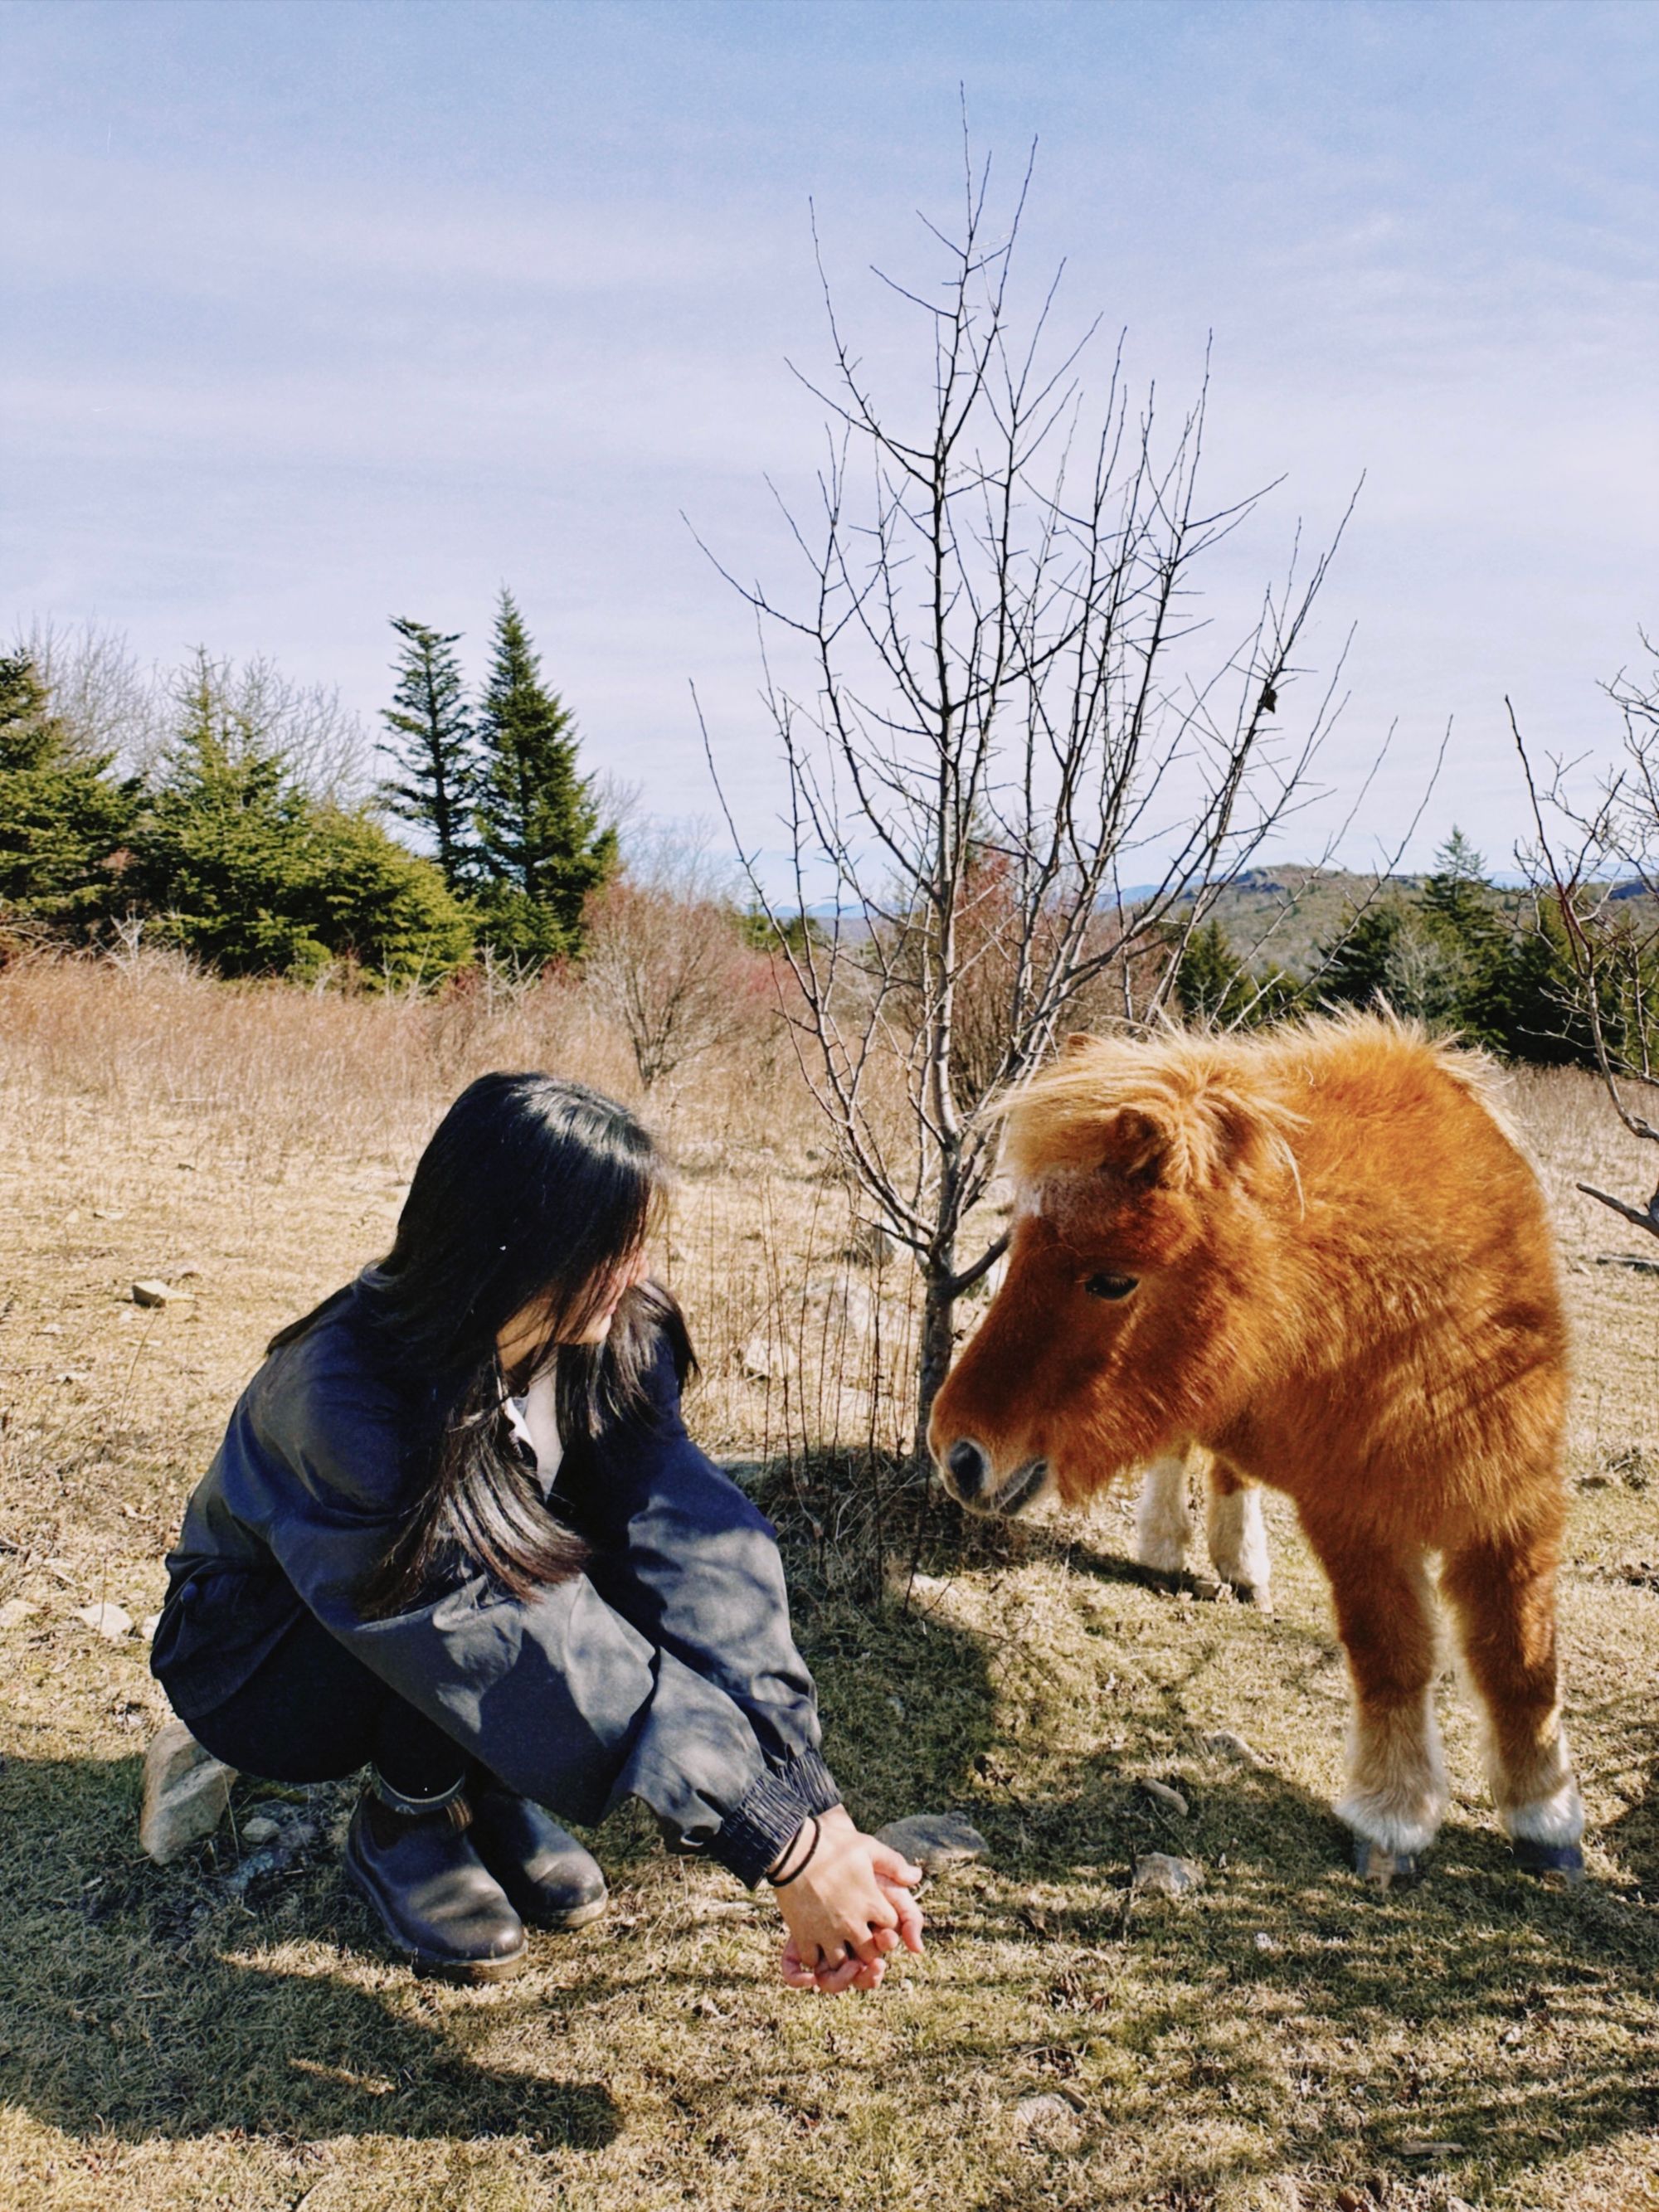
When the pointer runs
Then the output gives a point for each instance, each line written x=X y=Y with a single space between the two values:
x=1110 y=1287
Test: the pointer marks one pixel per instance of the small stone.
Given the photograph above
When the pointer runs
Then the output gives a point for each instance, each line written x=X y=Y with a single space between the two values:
x=1232 y=1746
x=259 y=1829
x=836 y=1310
x=1172 y=1800
x=272 y=1859
x=1046 y=2115
x=186 y=1790
x=111 y=1621
x=1264 y=1941
x=16 y=1611
x=933 y=1841
x=148 y=1626
x=762 y=1361
x=153 y=1291
x=1158 y=1874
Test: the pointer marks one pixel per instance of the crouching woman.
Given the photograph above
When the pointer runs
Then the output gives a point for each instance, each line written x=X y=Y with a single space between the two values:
x=457 y=1534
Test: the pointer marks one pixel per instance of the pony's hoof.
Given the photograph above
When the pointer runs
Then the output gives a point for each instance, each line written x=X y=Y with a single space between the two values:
x=1383 y=1869
x=1562 y=1865
x=1260 y=1595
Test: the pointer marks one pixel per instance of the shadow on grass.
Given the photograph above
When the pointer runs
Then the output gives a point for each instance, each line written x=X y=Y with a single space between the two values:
x=124 y=2010
x=1281 y=2017
x=1479 y=2009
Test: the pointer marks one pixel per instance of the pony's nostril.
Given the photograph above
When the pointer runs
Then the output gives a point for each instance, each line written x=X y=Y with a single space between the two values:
x=968 y=1467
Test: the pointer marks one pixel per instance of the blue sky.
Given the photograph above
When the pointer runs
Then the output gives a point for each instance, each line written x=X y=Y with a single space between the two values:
x=314 y=314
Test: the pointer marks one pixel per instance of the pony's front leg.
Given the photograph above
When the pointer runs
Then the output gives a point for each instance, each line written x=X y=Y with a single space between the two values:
x=1164 y=1519
x=1238 y=1536
x=1396 y=1793
x=1503 y=1592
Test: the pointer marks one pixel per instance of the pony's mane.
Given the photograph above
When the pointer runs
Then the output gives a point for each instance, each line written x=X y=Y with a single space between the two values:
x=1204 y=1099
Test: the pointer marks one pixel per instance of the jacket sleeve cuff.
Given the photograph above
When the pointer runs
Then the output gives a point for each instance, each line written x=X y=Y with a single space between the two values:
x=811 y=1781
x=753 y=1836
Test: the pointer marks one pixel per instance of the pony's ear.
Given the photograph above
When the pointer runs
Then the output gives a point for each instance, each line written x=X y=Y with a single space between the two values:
x=1139 y=1146
x=1201 y=1141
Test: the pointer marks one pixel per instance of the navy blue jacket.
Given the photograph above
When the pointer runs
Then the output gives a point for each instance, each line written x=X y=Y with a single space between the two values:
x=666 y=1671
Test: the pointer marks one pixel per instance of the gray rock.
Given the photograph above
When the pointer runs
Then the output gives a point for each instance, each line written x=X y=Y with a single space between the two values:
x=764 y=1361
x=186 y=1790
x=935 y=1840
x=1231 y=1746
x=1158 y=1875
x=273 y=1859
x=259 y=1829
x=1047 y=2115
x=1171 y=1800
x=835 y=1309
x=110 y=1621
x=153 y=1291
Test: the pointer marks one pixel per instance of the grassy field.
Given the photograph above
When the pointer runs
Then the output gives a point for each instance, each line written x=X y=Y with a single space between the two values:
x=216 y=2035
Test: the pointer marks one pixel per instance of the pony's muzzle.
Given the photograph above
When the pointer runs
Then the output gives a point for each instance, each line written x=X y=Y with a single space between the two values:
x=970 y=1477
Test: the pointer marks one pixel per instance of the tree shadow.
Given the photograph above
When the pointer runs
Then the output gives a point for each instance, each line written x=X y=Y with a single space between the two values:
x=1550 y=1995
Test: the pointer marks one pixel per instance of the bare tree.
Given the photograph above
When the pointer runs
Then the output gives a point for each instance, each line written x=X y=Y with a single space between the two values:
x=1597 y=870
x=106 y=699
x=109 y=702
x=997 y=723
x=666 y=957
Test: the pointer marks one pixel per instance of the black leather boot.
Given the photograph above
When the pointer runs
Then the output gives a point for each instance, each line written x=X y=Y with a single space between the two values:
x=551 y=1880
x=441 y=1906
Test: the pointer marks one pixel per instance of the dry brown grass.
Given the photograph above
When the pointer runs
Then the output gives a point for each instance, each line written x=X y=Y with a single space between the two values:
x=1280 y=2039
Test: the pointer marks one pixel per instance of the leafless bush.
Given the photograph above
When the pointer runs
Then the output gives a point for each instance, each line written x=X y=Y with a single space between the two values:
x=666 y=960
x=1595 y=865
x=99 y=692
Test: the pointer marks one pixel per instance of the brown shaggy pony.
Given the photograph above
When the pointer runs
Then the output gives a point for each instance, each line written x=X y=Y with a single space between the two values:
x=1319 y=1254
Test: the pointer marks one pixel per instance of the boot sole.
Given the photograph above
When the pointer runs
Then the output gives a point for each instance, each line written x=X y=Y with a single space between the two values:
x=563 y=1924
x=429 y=1965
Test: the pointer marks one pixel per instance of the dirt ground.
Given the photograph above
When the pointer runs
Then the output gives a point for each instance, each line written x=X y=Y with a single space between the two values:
x=228 y=2033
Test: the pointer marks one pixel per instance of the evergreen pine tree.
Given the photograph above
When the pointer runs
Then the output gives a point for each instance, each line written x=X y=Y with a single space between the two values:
x=63 y=818
x=1456 y=898
x=543 y=846
x=1466 y=939
x=243 y=868
x=1360 y=967
x=1214 y=985
x=432 y=745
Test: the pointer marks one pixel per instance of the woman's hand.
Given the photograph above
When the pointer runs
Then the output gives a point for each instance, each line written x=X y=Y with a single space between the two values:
x=848 y=1911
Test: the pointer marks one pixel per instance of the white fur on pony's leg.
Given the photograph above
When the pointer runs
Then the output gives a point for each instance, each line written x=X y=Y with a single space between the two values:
x=1397 y=1795
x=1238 y=1542
x=1163 y=1520
x=1553 y=1811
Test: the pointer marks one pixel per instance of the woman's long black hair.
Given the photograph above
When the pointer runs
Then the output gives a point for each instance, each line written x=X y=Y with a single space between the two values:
x=532 y=1193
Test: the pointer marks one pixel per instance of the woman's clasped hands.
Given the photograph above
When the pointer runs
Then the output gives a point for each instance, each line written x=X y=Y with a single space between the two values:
x=846 y=1910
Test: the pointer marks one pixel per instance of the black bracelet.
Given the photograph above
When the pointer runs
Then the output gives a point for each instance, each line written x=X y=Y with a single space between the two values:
x=783 y=1880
